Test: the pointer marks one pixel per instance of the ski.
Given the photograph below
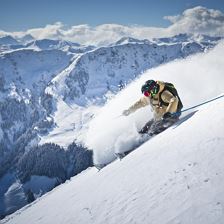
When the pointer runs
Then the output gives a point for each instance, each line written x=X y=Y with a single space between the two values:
x=120 y=155
x=99 y=166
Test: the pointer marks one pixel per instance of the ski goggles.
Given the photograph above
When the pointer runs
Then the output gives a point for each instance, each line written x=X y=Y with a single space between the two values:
x=150 y=91
x=146 y=93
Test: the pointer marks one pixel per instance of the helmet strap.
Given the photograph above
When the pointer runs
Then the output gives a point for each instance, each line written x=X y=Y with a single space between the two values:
x=155 y=90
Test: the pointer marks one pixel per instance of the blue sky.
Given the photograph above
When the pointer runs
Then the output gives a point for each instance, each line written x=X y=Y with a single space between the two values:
x=18 y=15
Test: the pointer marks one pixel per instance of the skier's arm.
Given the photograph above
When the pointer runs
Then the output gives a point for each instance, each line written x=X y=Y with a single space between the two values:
x=172 y=100
x=137 y=105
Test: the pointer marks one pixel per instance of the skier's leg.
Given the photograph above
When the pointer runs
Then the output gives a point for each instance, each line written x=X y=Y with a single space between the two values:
x=161 y=125
x=147 y=126
x=157 y=127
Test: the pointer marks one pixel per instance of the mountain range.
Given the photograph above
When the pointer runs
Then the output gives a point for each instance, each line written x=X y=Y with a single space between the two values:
x=49 y=92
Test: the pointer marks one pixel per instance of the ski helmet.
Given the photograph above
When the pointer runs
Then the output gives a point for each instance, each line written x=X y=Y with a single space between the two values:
x=150 y=87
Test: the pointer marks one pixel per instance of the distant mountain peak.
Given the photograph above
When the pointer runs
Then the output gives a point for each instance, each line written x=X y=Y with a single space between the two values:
x=8 y=40
x=125 y=40
x=26 y=39
x=186 y=37
x=45 y=44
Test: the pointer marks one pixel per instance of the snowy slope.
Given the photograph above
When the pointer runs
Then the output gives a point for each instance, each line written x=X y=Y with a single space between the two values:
x=176 y=177
x=49 y=96
x=23 y=78
x=16 y=193
x=24 y=113
x=29 y=67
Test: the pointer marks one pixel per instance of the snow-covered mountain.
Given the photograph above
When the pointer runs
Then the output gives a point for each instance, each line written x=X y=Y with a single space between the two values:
x=9 y=43
x=25 y=39
x=47 y=44
x=174 y=177
x=8 y=40
x=126 y=40
x=105 y=69
x=184 y=37
x=25 y=113
x=49 y=93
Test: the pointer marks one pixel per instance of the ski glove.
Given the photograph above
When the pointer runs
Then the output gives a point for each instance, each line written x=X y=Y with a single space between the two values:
x=126 y=112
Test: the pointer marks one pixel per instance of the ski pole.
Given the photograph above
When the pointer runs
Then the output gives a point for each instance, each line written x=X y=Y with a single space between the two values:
x=198 y=105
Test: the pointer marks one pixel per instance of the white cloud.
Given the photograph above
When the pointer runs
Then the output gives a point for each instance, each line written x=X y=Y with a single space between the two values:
x=108 y=32
x=198 y=20
x=49 y=31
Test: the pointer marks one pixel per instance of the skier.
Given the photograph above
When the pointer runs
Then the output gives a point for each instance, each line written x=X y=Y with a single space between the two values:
x=165 y=103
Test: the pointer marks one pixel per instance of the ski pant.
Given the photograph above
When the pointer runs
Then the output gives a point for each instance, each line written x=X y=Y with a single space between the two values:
x=157 y=126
